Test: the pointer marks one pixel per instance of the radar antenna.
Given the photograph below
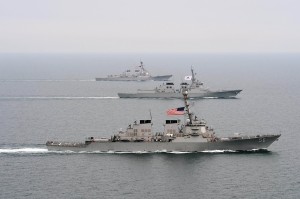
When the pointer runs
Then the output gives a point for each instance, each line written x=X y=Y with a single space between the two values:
x=150 y=116
x=193 y=74
x=185 y=97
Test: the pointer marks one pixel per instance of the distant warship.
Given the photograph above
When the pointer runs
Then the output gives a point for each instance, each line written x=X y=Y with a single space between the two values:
x=196 y=90
x=138 y=74
x=192 y=136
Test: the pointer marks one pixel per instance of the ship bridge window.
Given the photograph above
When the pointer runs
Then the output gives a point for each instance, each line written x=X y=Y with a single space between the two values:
x=171 y=121
x=145 y=121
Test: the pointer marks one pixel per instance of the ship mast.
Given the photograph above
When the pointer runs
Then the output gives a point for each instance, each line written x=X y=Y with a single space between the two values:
x=143 y=70
x=185 y=96
x=193 y=75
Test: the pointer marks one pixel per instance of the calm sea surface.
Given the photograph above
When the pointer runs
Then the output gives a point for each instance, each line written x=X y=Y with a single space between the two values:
x=54 y=97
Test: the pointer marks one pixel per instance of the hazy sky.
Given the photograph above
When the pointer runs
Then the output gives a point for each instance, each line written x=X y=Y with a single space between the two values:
x=149 y=26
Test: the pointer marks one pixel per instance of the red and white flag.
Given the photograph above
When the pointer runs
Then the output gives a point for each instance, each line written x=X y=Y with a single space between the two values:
x=176 y=111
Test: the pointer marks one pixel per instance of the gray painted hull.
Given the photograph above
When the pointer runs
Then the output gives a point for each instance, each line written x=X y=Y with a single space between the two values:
x=242 y=144
x=204 y=94
x=161 y=78
x=155 y=78
x=121 y=79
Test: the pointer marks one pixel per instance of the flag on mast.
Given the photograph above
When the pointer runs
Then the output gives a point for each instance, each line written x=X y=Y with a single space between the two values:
x=176 y=111
x=188 y=78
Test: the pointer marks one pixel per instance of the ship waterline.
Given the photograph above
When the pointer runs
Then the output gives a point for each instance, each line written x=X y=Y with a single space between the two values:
x=195 y=88
x=194 y=135
x=178 y=95
x=137 y=74
x=228 y=144
x=135 y=78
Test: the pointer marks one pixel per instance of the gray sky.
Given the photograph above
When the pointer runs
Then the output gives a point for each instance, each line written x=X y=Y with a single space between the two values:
x=188 y=26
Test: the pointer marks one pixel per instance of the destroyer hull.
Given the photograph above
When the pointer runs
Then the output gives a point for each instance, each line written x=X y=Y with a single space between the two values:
x=147 y=78
x=208 y=94
x=122 y=79
x=241 y=144
x=161 y=78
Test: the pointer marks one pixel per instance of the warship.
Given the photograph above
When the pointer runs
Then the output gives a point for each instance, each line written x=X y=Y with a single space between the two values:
x=191 y=136
x=196 y=90
x=138 y=74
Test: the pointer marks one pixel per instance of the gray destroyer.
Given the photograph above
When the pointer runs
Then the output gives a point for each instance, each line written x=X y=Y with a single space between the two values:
x=138 y=74
x=192 y=136
x=196 y=90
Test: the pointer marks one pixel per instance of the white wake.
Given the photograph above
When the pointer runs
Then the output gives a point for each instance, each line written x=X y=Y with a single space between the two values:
x=54 y=98
x=23 y=150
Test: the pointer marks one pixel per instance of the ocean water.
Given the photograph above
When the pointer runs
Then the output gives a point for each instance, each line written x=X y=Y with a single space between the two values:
x=54 y=97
